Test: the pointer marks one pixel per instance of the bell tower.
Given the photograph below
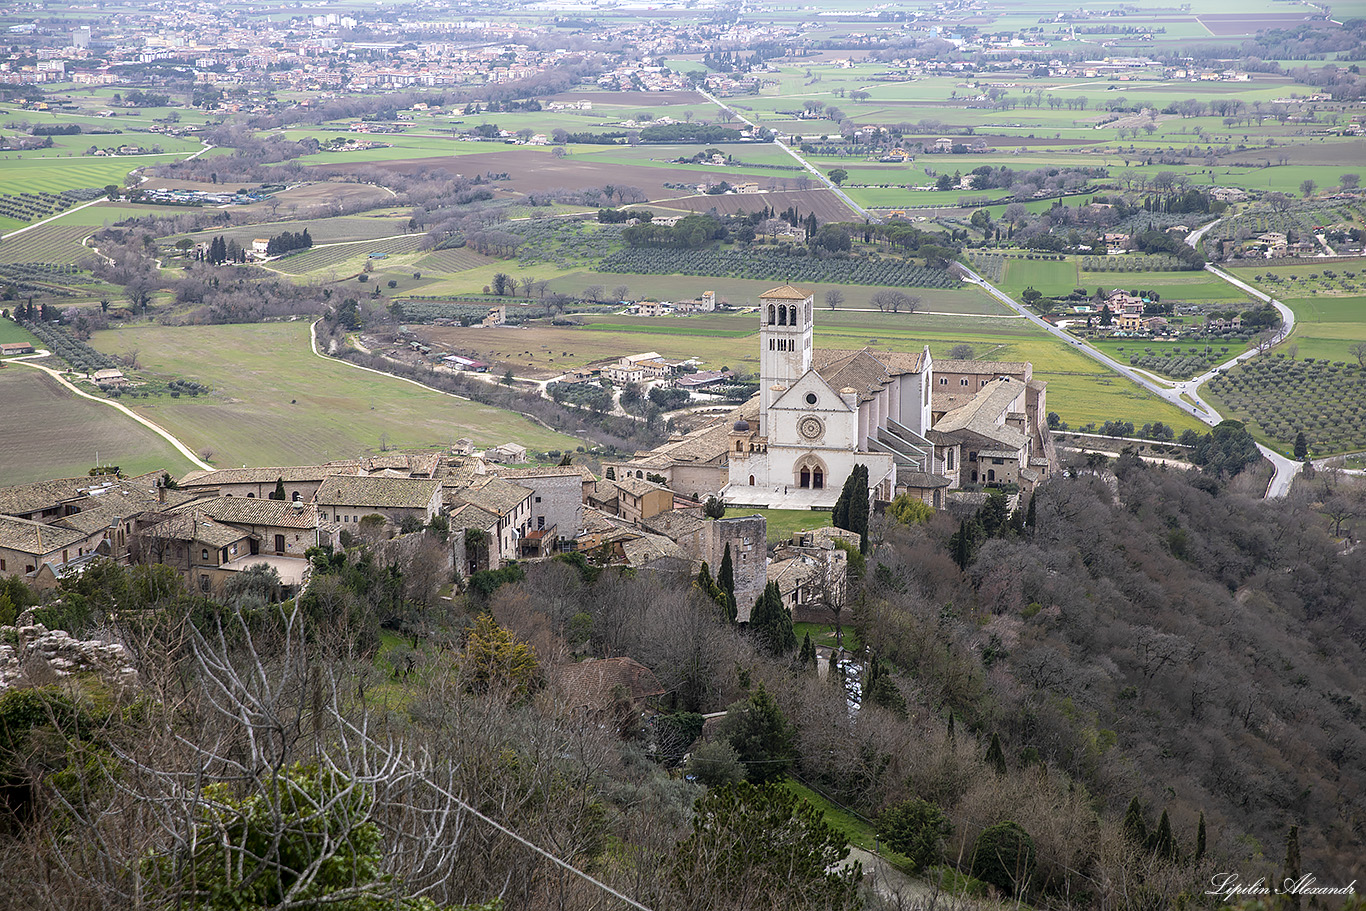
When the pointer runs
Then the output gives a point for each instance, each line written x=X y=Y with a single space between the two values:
x=785 y=339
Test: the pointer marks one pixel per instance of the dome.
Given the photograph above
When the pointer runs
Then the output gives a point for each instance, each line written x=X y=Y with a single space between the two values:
x=742 y=426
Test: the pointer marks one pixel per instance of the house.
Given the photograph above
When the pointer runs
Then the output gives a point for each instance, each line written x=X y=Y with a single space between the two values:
x=26 y=545
x=511 y=503
x=506 y=452
x=703 y=379
x=9 y=349
x=812 y=573
x=631 y=499
x=621 y=374
x=650 y=308
x=497 y=316
x=557 y=495
x=344 y=500
x=301 y=482
x=706 y=540
x=109 y=377
x=196 y=546
x=279 y=527
x=943 y=144
x=259 y=246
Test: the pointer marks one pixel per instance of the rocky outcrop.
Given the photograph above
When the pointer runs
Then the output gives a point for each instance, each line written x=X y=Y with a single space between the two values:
x=32 y=654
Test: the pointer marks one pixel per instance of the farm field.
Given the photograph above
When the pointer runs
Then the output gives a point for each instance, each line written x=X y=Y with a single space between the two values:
x=1079 y=390
x=274 y=403
x=50 y=433
x=55 y=242
x=338 y=229
x=1327 y=323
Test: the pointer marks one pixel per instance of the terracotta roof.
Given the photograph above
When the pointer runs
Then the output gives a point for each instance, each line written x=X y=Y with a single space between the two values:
x=644 y=549
x=257 y=511
x=791 y=573
x=467 y=515
x=599 y=684
x=137 y=493
x=786 y=292
x=860 y=371
x=289 y=473
x=922 y=480
x=24 y=535
x=980 y=415
x=191 y=526
x=637 y=487
x=494 y=494
x=392 y=493
x=994 y=368
x=550 y=471
x=97 y=518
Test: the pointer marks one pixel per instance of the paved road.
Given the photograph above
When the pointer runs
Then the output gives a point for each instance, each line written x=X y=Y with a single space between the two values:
x=1196 y=407
x=829 y=184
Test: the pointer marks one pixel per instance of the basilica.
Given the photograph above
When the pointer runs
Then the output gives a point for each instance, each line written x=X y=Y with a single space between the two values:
x=924 y=427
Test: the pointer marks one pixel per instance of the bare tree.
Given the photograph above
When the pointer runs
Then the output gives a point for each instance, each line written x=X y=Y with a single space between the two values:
x=833 y=298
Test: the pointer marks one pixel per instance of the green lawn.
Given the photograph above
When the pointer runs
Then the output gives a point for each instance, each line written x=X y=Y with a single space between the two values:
x=274 y=403
x=783 y=523
x=11 y=331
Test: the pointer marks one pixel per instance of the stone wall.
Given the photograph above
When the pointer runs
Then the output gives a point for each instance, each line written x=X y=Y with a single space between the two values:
x=31 y=654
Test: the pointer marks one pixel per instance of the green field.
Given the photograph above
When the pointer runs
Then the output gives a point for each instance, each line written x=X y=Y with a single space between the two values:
x=274 y=403
x=11 y=331
x=50 y=433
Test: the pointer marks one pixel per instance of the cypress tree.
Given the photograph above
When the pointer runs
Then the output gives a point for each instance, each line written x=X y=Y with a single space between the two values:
x=1200 y=839
x=808 y=652
x=1292 y=865
x=996 y=757
x=771 y=623
x=1163 y=844
x=1135 y=829
x=951 y=727
x=279 y=493
x=725 y=578
x=1029 y=513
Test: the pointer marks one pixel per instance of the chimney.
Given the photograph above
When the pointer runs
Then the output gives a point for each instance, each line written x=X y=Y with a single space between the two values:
x=850 y=397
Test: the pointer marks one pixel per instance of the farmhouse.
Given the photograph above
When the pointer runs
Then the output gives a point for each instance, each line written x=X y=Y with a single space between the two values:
x=9 y=349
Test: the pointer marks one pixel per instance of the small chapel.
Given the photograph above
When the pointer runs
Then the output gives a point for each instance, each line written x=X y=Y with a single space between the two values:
x=924 y=427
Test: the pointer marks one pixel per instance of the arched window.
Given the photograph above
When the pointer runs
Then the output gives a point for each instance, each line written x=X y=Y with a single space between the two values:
x=297 y=497
x=751 y=480
x=782 y=315
x=991 y=474
x=738 y=446
x=818 y=479
x=974 y=476
x=806 y=477
x=772 y=314
x=251 y=496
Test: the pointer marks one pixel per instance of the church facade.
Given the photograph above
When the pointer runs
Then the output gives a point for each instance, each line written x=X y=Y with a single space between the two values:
x=818 y=413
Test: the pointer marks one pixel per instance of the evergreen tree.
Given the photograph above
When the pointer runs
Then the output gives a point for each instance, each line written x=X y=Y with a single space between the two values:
x=725 y=578
x=851 y=508
x=1029 y=513
x=771 y=623
x=1163 y=845
x=807 y=656
x=279 y=492
x=708 y=587
x=567 y=460
x=951 y=734
x=1200 y=839
x=1291 y=873
x=1135 y=829
x=1301 y=446
x=762 y=736
x=996 y=757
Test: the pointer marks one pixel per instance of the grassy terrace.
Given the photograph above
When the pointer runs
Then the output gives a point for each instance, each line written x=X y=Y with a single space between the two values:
x=274 y=403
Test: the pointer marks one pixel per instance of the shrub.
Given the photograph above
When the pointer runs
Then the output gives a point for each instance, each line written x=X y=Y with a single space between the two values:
x=1004 y=857
x=915 y=828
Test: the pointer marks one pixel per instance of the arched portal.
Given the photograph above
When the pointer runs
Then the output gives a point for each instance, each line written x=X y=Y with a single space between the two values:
x=810 y=473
